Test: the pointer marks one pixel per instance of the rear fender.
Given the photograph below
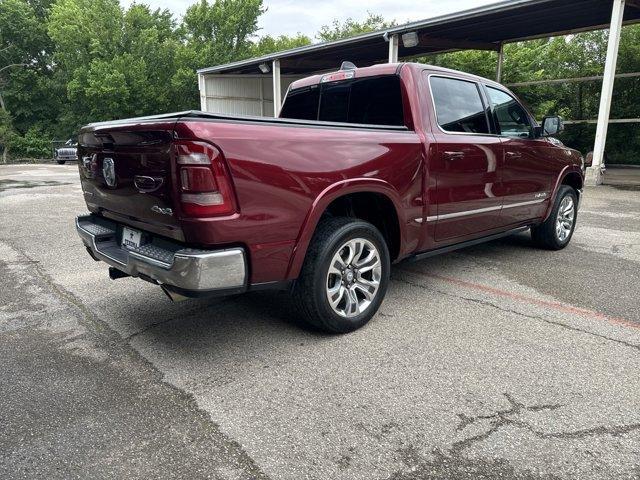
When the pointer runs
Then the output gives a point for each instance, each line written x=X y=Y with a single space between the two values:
x=331 y=193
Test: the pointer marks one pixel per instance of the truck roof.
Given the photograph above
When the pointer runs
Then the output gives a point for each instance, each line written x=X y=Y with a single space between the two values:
x=384 y=69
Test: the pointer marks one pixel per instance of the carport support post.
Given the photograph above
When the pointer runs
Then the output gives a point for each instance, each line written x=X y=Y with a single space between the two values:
x=500 y=63
x=277 y=89
x=594 y=173
x=202 y=86
x=393 y=48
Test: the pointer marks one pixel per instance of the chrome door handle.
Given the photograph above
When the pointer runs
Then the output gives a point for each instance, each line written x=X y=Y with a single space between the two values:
x=453 y=155
x=514 y=155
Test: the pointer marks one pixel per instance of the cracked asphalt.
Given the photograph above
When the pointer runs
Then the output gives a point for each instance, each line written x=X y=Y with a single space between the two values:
x=498 y=361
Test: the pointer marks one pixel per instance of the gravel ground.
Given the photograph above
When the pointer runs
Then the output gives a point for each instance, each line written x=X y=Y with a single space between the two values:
x=498 y=361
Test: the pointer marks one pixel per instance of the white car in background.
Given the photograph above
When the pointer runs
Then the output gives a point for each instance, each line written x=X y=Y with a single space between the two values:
x=67 y=153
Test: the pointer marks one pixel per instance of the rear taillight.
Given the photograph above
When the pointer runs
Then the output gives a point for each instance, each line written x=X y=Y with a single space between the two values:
x=205 y=190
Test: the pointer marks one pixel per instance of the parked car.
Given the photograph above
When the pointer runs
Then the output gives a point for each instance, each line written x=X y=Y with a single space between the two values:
x=67 y=153
x=364 y=168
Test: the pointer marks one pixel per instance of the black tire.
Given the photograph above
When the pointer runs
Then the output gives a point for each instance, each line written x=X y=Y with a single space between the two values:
x=545 y=235
x=310 y=291
x=60 y=162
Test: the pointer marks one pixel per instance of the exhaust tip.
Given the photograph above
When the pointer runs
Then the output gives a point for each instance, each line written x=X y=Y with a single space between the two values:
x=173 y=296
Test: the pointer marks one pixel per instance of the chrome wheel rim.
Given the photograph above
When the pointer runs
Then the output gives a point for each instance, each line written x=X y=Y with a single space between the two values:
x=566 y=218
x=354 y=277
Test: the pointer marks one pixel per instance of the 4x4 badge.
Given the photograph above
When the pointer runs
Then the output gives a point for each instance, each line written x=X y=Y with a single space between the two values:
x=163 y=211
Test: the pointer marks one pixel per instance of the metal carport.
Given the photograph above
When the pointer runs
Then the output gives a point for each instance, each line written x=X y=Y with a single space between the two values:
x=485 y=28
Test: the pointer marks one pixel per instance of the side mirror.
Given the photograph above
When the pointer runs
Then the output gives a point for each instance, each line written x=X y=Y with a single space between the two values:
x=552 y=126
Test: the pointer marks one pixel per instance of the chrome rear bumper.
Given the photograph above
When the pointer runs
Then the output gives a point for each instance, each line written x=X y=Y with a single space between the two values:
x=167 y=263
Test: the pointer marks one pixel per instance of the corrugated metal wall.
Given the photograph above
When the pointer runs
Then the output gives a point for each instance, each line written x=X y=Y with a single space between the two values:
x=240 y=94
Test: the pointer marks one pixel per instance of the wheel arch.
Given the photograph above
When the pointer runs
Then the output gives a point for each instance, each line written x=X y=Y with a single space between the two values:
x=339 y=198
x=571 y=176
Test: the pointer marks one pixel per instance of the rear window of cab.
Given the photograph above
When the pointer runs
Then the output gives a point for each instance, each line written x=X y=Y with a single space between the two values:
x=368 y=101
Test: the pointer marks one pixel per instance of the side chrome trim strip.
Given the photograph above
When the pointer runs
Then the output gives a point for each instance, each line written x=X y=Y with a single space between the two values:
x=468 y=213
x=524 y=204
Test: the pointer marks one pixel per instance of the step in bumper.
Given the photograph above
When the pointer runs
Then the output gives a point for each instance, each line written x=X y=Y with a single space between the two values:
x=165 y=262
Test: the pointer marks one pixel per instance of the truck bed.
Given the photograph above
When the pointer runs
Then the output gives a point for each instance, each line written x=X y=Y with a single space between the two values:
x=277 y=169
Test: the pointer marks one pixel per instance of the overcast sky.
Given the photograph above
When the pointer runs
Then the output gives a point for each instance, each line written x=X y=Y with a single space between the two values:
x=287 y=17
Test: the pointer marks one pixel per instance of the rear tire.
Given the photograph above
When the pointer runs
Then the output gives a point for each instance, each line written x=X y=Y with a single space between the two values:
x=556 y=232
x=344 y=277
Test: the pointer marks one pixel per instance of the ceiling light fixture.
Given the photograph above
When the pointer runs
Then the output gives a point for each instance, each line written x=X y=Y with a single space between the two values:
x=264 y=67
x=410 y=39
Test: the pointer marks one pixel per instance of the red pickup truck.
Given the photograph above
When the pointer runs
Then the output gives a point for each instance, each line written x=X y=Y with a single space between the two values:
x=365 y=167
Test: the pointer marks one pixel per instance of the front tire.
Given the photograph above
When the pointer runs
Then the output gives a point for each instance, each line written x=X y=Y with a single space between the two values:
x=60 y=162
x=556 y=232
x=344 y=277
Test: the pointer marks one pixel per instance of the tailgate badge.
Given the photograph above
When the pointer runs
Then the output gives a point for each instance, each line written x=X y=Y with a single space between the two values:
x=146 y=184
x=109 y=171
x=162 y=211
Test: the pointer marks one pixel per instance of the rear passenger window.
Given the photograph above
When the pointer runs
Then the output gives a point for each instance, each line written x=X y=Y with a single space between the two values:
x=459 y=107
x=371 y=101
x=302 y=103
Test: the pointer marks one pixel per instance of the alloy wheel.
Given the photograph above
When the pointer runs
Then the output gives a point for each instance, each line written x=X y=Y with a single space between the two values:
x=566 y=218
x=354 y=277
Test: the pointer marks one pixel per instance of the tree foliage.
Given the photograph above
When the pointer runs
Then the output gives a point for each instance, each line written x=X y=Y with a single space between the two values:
x=269 y=44
x=350 y=27
x=581 y=55
x=64 y=63
x=69 y=62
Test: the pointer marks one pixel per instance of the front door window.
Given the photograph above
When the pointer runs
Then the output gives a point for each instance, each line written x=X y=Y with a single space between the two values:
x=511 y=118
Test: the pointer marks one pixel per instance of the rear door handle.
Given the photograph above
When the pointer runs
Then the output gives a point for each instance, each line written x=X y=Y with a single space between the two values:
x=513 y=155
x=453 y=155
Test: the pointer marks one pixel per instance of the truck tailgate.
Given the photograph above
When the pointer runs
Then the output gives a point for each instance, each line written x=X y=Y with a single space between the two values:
x=126 y=174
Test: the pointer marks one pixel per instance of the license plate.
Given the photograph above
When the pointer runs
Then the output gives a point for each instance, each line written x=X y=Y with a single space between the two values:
x=131 y=238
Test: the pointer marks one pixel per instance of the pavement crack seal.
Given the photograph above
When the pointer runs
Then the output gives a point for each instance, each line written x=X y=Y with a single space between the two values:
x=454 y=463
x=111 y=340
x=543 y=303
x=508 y=417
x=497 y=420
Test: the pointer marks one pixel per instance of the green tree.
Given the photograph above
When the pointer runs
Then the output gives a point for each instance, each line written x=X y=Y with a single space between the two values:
x=25 y=75
x=85 y=30
x=6 y=131
x=222 y=29
x=212 y=33
x=269 y=44
x=580 y=55
x=350 y=27
x=64 y=63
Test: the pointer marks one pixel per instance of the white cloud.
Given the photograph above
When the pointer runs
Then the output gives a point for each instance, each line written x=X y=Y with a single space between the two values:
x=287 y=17
x=307 y=16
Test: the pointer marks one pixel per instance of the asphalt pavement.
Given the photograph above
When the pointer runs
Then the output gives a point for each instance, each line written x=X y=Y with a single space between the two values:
x=497 y=361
